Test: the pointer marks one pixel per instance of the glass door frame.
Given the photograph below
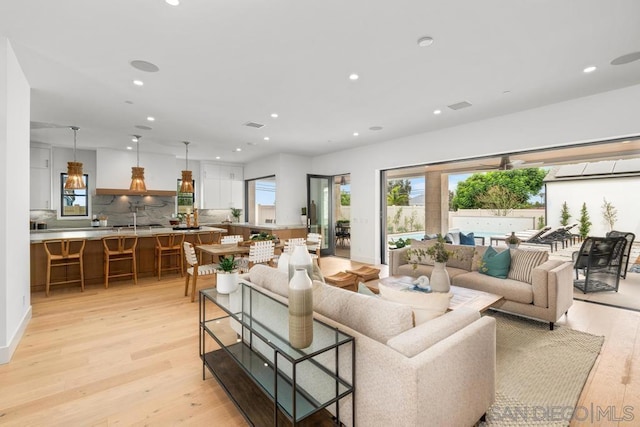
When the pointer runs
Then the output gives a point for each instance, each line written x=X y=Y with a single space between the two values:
x=328 y=241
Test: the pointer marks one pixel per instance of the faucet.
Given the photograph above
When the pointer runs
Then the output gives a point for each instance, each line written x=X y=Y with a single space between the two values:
x=134 y=223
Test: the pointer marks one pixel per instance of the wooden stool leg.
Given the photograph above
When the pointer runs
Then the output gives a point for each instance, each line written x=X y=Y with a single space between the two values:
x=81 y=275
x=135 y=268
x=186 y=285
x=106 y=271
x=46 y=291
x=193 y=285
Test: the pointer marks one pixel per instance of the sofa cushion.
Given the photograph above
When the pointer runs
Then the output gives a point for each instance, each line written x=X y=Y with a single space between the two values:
x=523 y=262
x=495 y=264
x=374 y=317
x=270 y=278
x=511 y=290
x=420 y=338
x=462 y=258
x=425 y=306
x=423 y=245
x=467 y=239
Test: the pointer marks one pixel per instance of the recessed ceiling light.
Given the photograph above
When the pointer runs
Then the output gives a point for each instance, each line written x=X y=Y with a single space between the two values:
x=374 y=128
x=625 y=142
x=217 y=157
x=173 y=2
x=274 y=115
x=238 y=149
x=356 y=134
x=138 y=82
x=151 y=119
x=266 y=138
x=129 y=147
x=134 y=139
x=590 y=69
x=425 y=41
x=436 y=112
x=141 y=65
x=353 y=76
x=625 y=59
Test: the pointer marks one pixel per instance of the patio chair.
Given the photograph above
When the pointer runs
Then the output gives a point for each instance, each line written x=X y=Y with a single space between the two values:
x=550 y=237
x=600 y=261
x=627 y=252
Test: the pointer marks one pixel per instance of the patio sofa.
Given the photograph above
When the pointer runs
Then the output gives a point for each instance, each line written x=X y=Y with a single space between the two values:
x=541 y=290
x=441 y=372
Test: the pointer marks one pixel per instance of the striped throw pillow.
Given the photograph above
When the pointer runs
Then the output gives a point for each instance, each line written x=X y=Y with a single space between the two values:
x=522 y=262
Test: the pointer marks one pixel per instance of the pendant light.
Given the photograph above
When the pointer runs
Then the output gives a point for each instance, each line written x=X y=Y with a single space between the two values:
x=74 y=169
x=137 y=173
x=187 y=180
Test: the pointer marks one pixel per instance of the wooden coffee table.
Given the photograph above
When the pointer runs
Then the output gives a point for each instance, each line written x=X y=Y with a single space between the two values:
x=462 y=297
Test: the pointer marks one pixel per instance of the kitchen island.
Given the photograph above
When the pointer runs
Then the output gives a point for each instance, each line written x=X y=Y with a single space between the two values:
x=93 y=252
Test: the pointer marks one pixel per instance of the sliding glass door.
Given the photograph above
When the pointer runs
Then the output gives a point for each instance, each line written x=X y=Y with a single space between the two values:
x=319 y=212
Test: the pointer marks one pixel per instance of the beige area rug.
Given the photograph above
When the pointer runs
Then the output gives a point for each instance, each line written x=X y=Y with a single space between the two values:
x=540 y=373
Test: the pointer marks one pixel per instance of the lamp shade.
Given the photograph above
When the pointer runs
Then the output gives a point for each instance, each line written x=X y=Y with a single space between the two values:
x=137 y=179
x=187 y=182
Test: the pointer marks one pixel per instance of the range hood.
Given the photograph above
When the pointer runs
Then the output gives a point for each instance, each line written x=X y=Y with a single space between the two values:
x=127 y=192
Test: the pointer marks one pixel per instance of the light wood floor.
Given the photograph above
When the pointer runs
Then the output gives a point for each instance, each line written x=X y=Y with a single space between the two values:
x=128 y=355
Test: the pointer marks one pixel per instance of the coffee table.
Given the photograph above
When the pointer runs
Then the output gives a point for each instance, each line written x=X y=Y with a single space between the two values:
x=462 y=297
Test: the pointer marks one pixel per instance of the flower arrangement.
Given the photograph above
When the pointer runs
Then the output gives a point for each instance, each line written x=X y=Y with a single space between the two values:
x=438 y=252
x=397 y=244
x=263 y=236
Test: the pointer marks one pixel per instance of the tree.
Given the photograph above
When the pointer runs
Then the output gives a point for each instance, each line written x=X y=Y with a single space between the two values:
x=345 y=198
x=565 y=215
x=610 y=213
x=398 y=192
x=585 y=224
x=499 y=199
x=523 y=183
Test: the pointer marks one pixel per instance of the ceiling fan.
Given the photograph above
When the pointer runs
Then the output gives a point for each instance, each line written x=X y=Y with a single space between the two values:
x=506 y=163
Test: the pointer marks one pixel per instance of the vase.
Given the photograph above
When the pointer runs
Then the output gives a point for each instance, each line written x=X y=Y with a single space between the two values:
x=439 y=280
x=226 y=282
x=300 y=258
x=300 y=309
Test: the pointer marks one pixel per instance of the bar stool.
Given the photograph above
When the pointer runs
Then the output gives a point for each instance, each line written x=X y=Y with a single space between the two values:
x=64 y=253
x=169 y=246
x=118 y=249
x=206 y=238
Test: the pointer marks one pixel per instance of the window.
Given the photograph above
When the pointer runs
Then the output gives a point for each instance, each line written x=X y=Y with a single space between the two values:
x=261 y=200
x=186 y=200
x=74 y=203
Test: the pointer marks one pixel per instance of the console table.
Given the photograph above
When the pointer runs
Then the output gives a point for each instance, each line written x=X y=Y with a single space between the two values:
x=244 y=344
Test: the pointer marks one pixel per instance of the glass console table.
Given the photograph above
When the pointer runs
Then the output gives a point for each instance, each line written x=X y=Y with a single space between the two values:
x=244 y=344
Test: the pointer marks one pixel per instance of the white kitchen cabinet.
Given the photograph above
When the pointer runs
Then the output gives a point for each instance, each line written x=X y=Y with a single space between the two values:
x=40 y=175
x=223 y=186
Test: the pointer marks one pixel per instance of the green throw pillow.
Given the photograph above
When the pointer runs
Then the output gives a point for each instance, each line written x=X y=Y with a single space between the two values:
x=496 y=264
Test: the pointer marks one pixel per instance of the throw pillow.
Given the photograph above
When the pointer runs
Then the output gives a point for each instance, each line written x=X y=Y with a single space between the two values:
x=363 y=289
x=425 y=306
x=523 y=263
x=496 y=264
x=467 y=239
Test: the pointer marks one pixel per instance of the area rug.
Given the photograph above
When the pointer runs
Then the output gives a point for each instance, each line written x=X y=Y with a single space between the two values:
x=540 y=373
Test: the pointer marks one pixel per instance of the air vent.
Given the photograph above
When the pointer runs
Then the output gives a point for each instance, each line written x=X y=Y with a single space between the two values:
x=254 y=125
x=143 y=127
x=459 y=105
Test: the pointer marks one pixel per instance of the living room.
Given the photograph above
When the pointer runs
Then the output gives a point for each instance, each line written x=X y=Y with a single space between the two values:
x=600 y=107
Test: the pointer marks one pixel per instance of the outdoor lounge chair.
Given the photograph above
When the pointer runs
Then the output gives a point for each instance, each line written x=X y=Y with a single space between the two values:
x=550 y=237
x=627 y=252
x=600 y=261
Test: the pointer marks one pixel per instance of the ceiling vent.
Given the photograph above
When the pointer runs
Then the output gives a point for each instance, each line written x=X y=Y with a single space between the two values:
x=254 y=125
x=459 y=105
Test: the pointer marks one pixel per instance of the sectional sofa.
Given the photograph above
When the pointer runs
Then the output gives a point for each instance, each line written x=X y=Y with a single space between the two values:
x=441 y=372
x=536 y=287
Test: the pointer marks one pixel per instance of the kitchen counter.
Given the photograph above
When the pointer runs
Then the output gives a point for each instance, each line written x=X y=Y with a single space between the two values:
x=97 y=233
x=261 y=226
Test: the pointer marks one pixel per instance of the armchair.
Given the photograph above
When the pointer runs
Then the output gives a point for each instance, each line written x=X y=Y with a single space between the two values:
x=600 y=260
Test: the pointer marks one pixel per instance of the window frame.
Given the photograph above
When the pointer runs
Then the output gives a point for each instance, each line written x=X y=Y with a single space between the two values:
x=63 y=193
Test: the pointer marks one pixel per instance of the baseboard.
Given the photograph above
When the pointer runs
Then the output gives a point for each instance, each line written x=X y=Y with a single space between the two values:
x=7 y=351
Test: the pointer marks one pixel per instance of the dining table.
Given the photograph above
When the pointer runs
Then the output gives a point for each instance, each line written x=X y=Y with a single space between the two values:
x=223 y=249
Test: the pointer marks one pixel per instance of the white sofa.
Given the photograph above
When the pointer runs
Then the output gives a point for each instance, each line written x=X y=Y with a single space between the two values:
x=441 y=372
x=546 y=295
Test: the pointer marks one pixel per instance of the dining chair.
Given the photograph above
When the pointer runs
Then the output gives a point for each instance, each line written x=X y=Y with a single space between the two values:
x=206 y=238
x=234 y=238
x=314 y=244
x=64 y=253
x=261 y=252
x=195 y=270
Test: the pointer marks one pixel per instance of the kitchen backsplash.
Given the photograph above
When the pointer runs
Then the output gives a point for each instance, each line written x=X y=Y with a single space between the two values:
x=119 y=211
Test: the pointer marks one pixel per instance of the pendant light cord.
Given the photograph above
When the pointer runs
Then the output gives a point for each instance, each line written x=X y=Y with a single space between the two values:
x=75 y=129
x=186 y=146
x=138 y=150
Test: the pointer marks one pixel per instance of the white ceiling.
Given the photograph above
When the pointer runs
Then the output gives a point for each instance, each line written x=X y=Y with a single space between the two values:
x=223 y=64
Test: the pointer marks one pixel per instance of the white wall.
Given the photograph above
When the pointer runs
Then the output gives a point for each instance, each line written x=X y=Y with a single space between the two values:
x=599 y=117
x=15 y=300
x=113 y=169
x=291 y=183
x=621 y=192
